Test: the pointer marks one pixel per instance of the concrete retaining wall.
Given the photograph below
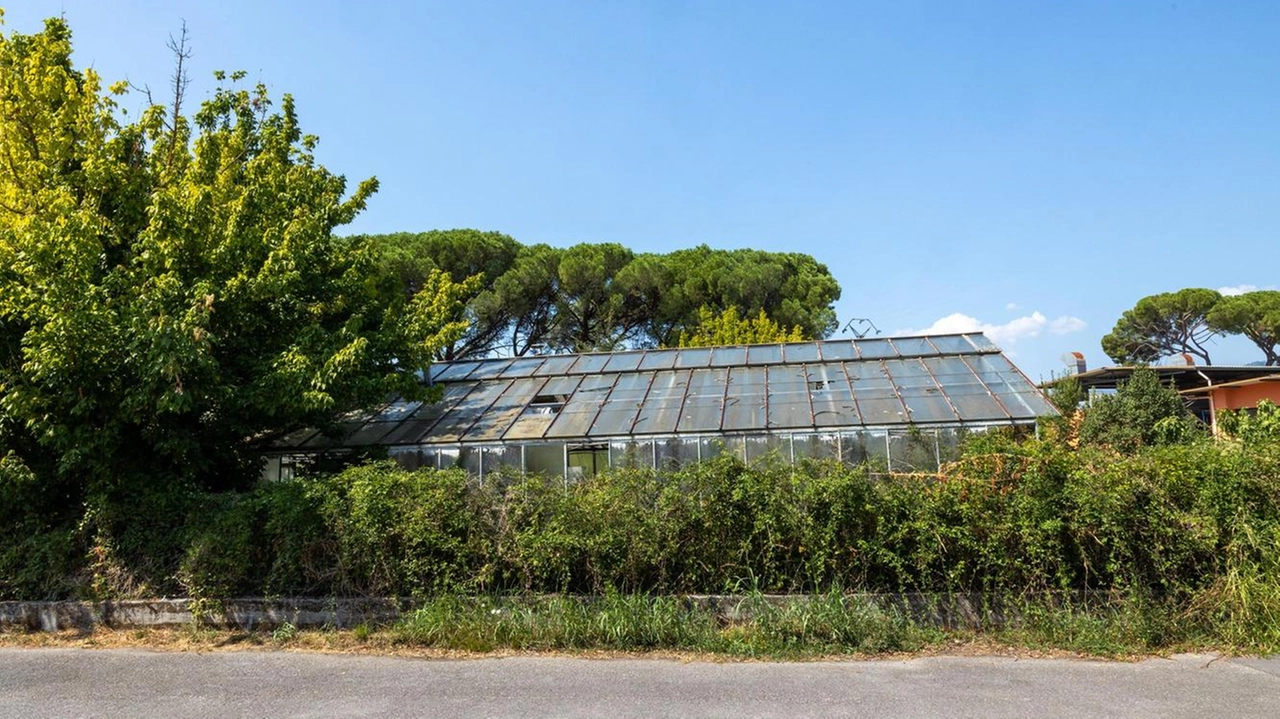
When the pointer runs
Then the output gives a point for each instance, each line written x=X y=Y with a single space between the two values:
x=953 y=610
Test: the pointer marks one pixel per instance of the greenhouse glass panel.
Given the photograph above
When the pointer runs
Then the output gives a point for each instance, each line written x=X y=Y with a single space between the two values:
x=590 y=364
x=543 y=409
x=555 y=365
x=502 y=459
x=969 y=395
x=693 y=357
x=816 y=446
x=469 y=460
x=661 y=409
x=621 y=408
x=803 y=352
x=876 y=445
x=764 y=354
x=745 y=400
x=413 y=458
x=370 y=433
x=658 y=359
x=789 y=397
x=832 y=398
x=853 y=447
x=489 y=369
x=913 y=346
x=704 y=401
x=711 y=447
x=455 y=424
x=982 y=343
x=523 y=367
x=397 y=411
x=768 y=447
x=1014 y=392
x=913 y=450
x=544 y=458
x=345 y=430
x=454 y=371
x=950 y=443
x=952 y=344
x=631 y=454
x=412 y=430
x=624 y=361
x=839 y=350
x=876 y=349
x=726 y=356
x=448 y=457
x=919 y=391
x=581 y=409
x=500 y=416
x=878 y=400
x=735 y=445
x=674 y=453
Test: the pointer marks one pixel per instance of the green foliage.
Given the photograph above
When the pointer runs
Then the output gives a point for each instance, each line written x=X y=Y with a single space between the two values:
x=729 y=328
x=409 y=259
x=172 y=294
x=604 y=296
x=1067 y=395
x=831 y=623
x=1256 y=315
x=1259 y=426
x=1142 y=412
x=1164 y=324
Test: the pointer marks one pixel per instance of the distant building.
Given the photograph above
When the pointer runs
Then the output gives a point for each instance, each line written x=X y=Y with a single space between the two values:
x=903 y=403
x=1241 y=394
x=1208 y=389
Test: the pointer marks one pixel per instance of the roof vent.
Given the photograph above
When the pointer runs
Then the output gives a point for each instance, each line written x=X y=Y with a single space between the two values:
x=1075 y=360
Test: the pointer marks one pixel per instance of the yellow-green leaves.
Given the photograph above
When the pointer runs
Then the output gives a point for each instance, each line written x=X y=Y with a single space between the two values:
x=728 y=328
x=170 y=289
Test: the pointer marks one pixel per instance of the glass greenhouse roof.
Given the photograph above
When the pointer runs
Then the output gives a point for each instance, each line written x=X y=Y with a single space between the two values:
x=960 y=379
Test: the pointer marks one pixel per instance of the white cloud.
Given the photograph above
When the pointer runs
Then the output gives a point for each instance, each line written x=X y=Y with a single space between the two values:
x=1011 y=306
x=1004 y=334
x=1237 y=289
x=1065 y=325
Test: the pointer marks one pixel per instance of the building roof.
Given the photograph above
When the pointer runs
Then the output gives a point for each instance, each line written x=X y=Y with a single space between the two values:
x=1183 y=377
x=957 y=379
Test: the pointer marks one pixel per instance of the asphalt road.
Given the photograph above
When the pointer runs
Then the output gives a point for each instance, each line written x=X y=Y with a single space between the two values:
x=130 y=683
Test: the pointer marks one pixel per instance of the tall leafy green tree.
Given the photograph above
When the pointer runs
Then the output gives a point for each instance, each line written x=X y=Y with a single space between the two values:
x=1164 y=324
x=172 y=295
x=593 y=310
x=1256 y=315
x=792 y=289
x=603 y=296
x=410 y=258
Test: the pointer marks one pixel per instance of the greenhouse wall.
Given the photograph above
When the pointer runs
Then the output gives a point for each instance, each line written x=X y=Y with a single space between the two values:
x=910 y=449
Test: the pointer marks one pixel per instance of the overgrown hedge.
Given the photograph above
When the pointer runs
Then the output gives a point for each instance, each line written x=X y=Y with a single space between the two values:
x=1177 y=522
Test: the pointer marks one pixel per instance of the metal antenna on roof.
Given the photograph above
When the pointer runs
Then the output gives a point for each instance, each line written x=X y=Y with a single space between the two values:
x=866 y=324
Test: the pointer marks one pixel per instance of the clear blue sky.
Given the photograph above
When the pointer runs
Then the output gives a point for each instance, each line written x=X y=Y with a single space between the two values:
x=1034 y=167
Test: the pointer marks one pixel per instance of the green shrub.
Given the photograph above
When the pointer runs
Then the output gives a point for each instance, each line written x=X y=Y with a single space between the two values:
x=1142 y=413
x=1258 y=427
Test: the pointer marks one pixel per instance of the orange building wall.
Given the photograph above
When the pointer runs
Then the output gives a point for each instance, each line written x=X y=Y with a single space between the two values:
x=1246 y=396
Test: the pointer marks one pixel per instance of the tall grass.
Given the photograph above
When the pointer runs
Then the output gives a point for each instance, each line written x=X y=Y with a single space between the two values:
x=822 y=625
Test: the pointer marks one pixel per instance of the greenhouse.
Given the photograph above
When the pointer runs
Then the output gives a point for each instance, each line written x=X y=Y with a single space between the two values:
x=901 y=403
